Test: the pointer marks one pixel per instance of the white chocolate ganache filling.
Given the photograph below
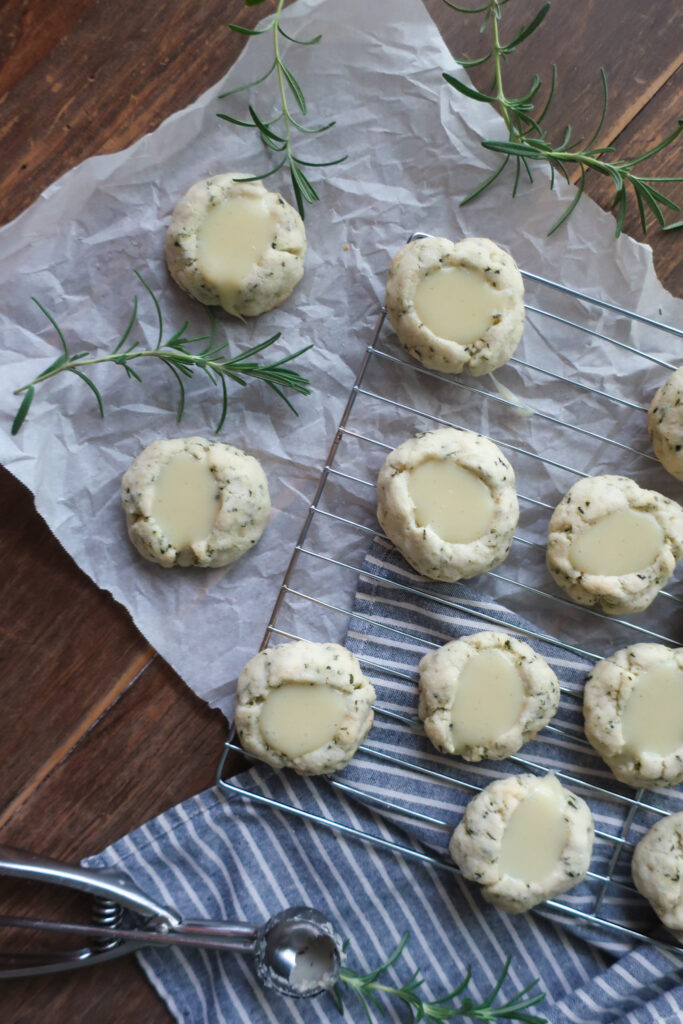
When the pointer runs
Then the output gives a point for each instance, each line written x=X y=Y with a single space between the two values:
x=300 y=717
x=455 y=502
x=488 y=700
x=623 y=542
x=535 y=835
x=231 y=241
x=652 y=718
x=186 y=500
x=457 y=303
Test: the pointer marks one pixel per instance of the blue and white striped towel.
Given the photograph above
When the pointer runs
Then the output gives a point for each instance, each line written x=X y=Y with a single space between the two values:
x=219 y=856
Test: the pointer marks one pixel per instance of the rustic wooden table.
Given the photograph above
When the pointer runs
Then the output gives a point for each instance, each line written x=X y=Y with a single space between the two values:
x=97 y=733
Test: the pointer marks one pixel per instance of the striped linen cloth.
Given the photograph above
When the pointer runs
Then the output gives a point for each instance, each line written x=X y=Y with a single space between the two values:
x=223 y=856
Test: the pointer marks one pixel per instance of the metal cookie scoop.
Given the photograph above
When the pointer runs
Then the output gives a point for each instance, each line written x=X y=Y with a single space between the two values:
x=297 y=951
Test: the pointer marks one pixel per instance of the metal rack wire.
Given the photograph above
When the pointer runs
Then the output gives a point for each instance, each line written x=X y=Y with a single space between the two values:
x=316 y=597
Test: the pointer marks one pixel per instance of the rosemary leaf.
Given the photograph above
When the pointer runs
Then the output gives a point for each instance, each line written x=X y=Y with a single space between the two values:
x=234 y=120
x=247 y=31
x=524 y=33
x=473 y=62
x=268 y=174
x=93 y=388
x=264 y=126
x=22 y=412
x=574 y=203
x=315 y=163
x=129 y=328
x=317 y=130
x=248 y=85
x=466 y=10
x=299 y=42
x=54 y=324
x=485 y=184
x=295 y=87
x=467 y=90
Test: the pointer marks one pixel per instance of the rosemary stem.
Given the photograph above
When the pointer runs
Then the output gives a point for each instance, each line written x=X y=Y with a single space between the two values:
x=280 y=78
x=71 y=363
x=228 y=366
x=494 y=14
x=601 y=166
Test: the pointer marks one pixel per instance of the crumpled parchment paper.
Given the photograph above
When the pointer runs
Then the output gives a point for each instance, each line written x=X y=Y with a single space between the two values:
x=414 y=151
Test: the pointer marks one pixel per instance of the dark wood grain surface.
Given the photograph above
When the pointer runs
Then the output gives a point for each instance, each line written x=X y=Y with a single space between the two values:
x=97 y=733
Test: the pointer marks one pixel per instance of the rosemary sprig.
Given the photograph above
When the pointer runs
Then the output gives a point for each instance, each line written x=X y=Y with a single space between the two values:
x=176 y=354
x=368 y=986
x=528 y=140
x=280 y=141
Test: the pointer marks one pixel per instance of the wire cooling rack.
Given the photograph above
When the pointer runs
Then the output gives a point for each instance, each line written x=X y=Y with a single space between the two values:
x=584 y=422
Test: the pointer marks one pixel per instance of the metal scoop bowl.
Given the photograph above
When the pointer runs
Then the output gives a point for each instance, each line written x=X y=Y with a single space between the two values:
x=299 y=953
